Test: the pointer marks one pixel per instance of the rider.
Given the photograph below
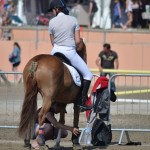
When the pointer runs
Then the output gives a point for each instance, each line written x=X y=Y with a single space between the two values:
x=64 y=34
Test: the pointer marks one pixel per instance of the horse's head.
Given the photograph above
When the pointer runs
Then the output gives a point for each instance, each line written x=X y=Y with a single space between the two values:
x=81 y=50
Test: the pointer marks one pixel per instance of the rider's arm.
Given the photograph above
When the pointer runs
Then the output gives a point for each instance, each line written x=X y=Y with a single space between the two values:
x=52 y=39
x=90 y=7
x=77 y=37
x=116 y=63
x=50 y=117
x=98 y=63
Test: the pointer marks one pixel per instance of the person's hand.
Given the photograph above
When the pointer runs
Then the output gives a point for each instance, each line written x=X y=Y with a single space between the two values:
x=75 y=131
x=35 y=144
x=100 y=69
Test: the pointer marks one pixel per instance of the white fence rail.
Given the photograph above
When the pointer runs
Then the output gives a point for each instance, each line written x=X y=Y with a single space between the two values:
x=131 y=111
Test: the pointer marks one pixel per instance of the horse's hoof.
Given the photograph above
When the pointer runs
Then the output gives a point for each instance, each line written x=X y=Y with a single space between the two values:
x=58 y=147
x=27 y=143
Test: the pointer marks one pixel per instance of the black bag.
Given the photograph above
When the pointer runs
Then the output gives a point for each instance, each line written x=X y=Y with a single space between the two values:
x=102 y=104
x=101 y=134
x=94 y=8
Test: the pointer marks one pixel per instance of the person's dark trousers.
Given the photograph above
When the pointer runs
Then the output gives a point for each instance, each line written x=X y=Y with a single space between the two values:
x=86 y=85
x=113 y=87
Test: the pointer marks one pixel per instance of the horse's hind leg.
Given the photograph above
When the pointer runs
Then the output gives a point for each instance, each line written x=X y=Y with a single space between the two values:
x=45 y=108
x=27 y=140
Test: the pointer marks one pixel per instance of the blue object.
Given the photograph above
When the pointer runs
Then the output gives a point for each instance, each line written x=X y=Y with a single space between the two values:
x=41 y=138
x=16 y=19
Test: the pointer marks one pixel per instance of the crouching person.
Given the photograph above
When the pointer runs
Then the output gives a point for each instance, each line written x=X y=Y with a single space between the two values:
x=49 y=130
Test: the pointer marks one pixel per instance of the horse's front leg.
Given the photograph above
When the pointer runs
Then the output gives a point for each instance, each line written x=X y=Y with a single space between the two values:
x=57 y=145
x=58 y=139
x=75 y=138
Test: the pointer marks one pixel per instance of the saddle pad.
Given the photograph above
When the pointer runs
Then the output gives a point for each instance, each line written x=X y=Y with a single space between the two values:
x=75 y=75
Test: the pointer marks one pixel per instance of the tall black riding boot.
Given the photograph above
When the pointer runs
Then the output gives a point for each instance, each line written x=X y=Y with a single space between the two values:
x=86 y=85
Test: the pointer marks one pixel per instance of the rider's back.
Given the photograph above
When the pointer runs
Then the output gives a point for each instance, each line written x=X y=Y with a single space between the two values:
x=63 y=27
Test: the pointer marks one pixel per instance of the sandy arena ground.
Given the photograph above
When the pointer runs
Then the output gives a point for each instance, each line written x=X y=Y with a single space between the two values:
x=11 y=98
x=13 y=142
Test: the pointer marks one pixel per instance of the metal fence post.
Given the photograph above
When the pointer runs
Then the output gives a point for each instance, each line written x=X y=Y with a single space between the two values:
x=37 y=38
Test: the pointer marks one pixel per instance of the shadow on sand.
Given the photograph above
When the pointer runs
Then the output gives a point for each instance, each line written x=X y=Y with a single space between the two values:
x=78 y=148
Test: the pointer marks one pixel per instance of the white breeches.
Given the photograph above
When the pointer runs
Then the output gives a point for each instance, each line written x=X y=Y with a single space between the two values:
x=102 y=17
x=97 y=16
x=75 y=59
x=106 y=17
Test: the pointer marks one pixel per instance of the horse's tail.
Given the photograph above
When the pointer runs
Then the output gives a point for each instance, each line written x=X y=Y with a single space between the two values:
x=29 y=107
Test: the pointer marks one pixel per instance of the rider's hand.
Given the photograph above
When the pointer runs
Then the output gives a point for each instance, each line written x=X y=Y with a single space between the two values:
x=75 y=131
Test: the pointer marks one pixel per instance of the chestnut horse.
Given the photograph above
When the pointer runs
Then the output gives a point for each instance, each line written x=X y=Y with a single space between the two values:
x=47 y=75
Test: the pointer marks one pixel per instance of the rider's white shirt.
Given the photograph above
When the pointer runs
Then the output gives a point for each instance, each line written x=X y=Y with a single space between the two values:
x=63 y=27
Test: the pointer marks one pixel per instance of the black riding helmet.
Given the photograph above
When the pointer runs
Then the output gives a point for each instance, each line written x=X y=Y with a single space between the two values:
x=58 y=4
